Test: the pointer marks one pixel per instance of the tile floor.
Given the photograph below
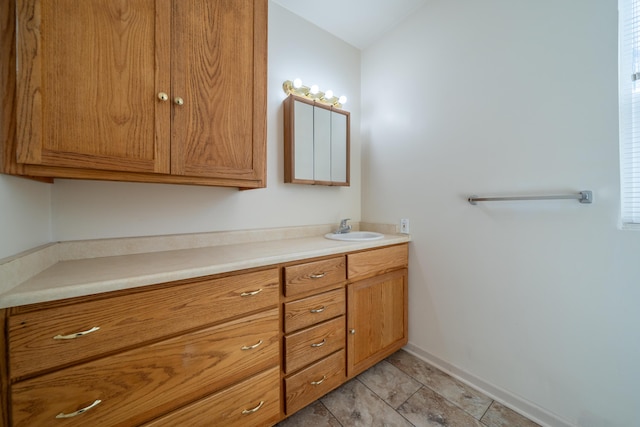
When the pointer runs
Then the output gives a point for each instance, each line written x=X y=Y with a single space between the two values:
x=403 y=390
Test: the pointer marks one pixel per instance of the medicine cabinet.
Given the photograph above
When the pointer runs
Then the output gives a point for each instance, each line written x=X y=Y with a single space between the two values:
x=316 y=143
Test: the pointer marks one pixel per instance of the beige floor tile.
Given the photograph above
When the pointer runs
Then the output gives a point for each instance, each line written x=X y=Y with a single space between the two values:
x=316 y=415
x=370 y=399
x=427 y=409
x=500 y=416
x=465 y=397
x=390 y=383
x=354 y=405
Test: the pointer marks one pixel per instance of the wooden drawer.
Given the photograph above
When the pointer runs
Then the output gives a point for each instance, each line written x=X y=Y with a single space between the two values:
x=315 y=309
x=131 y=319
x=307 y=346
x=235 y=406
x=377 y=261
x=314 y=381
x=310 y=276
x=137 y=385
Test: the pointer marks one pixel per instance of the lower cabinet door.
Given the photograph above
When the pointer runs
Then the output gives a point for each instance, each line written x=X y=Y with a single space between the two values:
x=314 y=381
x=376 y=319
x=253 y=402
x=138 y=385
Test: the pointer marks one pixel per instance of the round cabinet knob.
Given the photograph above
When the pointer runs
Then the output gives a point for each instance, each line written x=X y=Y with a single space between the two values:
x=178 y=101
x=352 y=331
x=163 y=96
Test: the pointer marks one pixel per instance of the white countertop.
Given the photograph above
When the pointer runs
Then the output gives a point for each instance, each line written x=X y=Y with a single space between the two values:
x=68 y=278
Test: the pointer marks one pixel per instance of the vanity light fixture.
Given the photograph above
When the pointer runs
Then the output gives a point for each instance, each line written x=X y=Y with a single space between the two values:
x=313 y=92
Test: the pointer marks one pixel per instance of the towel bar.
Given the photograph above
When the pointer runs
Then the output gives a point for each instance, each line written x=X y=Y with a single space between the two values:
x=582 y=197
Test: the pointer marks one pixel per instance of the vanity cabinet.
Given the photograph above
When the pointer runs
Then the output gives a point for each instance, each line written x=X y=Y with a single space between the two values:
x=314 y=330
x=377 y=311
x=175 y=347
x=148 y=90
x=241 y=348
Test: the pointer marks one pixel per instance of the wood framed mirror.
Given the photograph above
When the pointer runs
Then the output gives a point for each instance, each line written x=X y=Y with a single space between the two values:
x=316 y=143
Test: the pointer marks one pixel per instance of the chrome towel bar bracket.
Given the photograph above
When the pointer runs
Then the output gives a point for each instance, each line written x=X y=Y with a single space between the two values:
x=583 y=197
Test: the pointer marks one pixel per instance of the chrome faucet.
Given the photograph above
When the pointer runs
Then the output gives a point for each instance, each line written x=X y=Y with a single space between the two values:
x=344 y=228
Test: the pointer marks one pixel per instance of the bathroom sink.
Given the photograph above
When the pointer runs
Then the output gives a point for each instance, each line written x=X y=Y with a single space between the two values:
x=355 y=236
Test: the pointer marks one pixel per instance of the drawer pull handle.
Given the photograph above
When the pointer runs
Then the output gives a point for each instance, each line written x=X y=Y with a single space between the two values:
x=320 y=344
x=318 y=310
x=318 y=276
x=251 y=411
x=250 y=294
x=324 y=377
x=76 y=335
x=79 y=411
x=251 y=347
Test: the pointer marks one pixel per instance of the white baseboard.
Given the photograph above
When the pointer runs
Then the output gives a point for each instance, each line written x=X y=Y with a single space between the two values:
x=518 y=404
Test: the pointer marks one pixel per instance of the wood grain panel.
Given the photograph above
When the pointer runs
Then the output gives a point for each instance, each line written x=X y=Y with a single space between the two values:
x=214 y=70
x=300 y=389
x=77 y=173
x=232 y=407
x=8 y=88
x=378 y=315
x=132 y=319
x=140 y=384
x=314 y=276
x=305 y=347
x=314 y=309
x=87 y=85
x=4 y=372
x=377 y=261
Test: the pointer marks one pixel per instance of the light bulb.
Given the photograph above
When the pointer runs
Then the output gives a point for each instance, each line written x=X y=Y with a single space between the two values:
x=328 y=94
x=314 y=89
x=342 y=100
x=297 y=83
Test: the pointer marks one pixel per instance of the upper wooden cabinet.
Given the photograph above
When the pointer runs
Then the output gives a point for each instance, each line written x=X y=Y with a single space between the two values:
x=144 y=90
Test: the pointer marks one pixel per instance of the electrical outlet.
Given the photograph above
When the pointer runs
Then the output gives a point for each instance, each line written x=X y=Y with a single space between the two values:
x=404 y=225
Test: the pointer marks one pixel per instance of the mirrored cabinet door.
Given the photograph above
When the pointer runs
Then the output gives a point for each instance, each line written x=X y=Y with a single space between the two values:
x=303 y=141
x=321 y=144
x=339 y=147
x=316 y=143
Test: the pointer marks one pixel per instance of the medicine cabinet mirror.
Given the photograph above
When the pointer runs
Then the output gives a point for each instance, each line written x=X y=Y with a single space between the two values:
x=316 y=143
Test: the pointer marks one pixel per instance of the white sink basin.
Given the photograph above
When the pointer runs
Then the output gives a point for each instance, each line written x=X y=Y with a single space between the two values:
x=355 y=236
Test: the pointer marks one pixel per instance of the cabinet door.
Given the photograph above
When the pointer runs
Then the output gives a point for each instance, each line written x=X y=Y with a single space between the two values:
x=376 y=319
x=88 y=77
x=219 y=72
x=321 y=144
x=303 y=142
x=340 y=142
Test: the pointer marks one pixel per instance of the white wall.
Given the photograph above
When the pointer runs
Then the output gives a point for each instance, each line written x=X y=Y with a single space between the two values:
x=25 y=214
x=92 y=209
x=538 y=300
